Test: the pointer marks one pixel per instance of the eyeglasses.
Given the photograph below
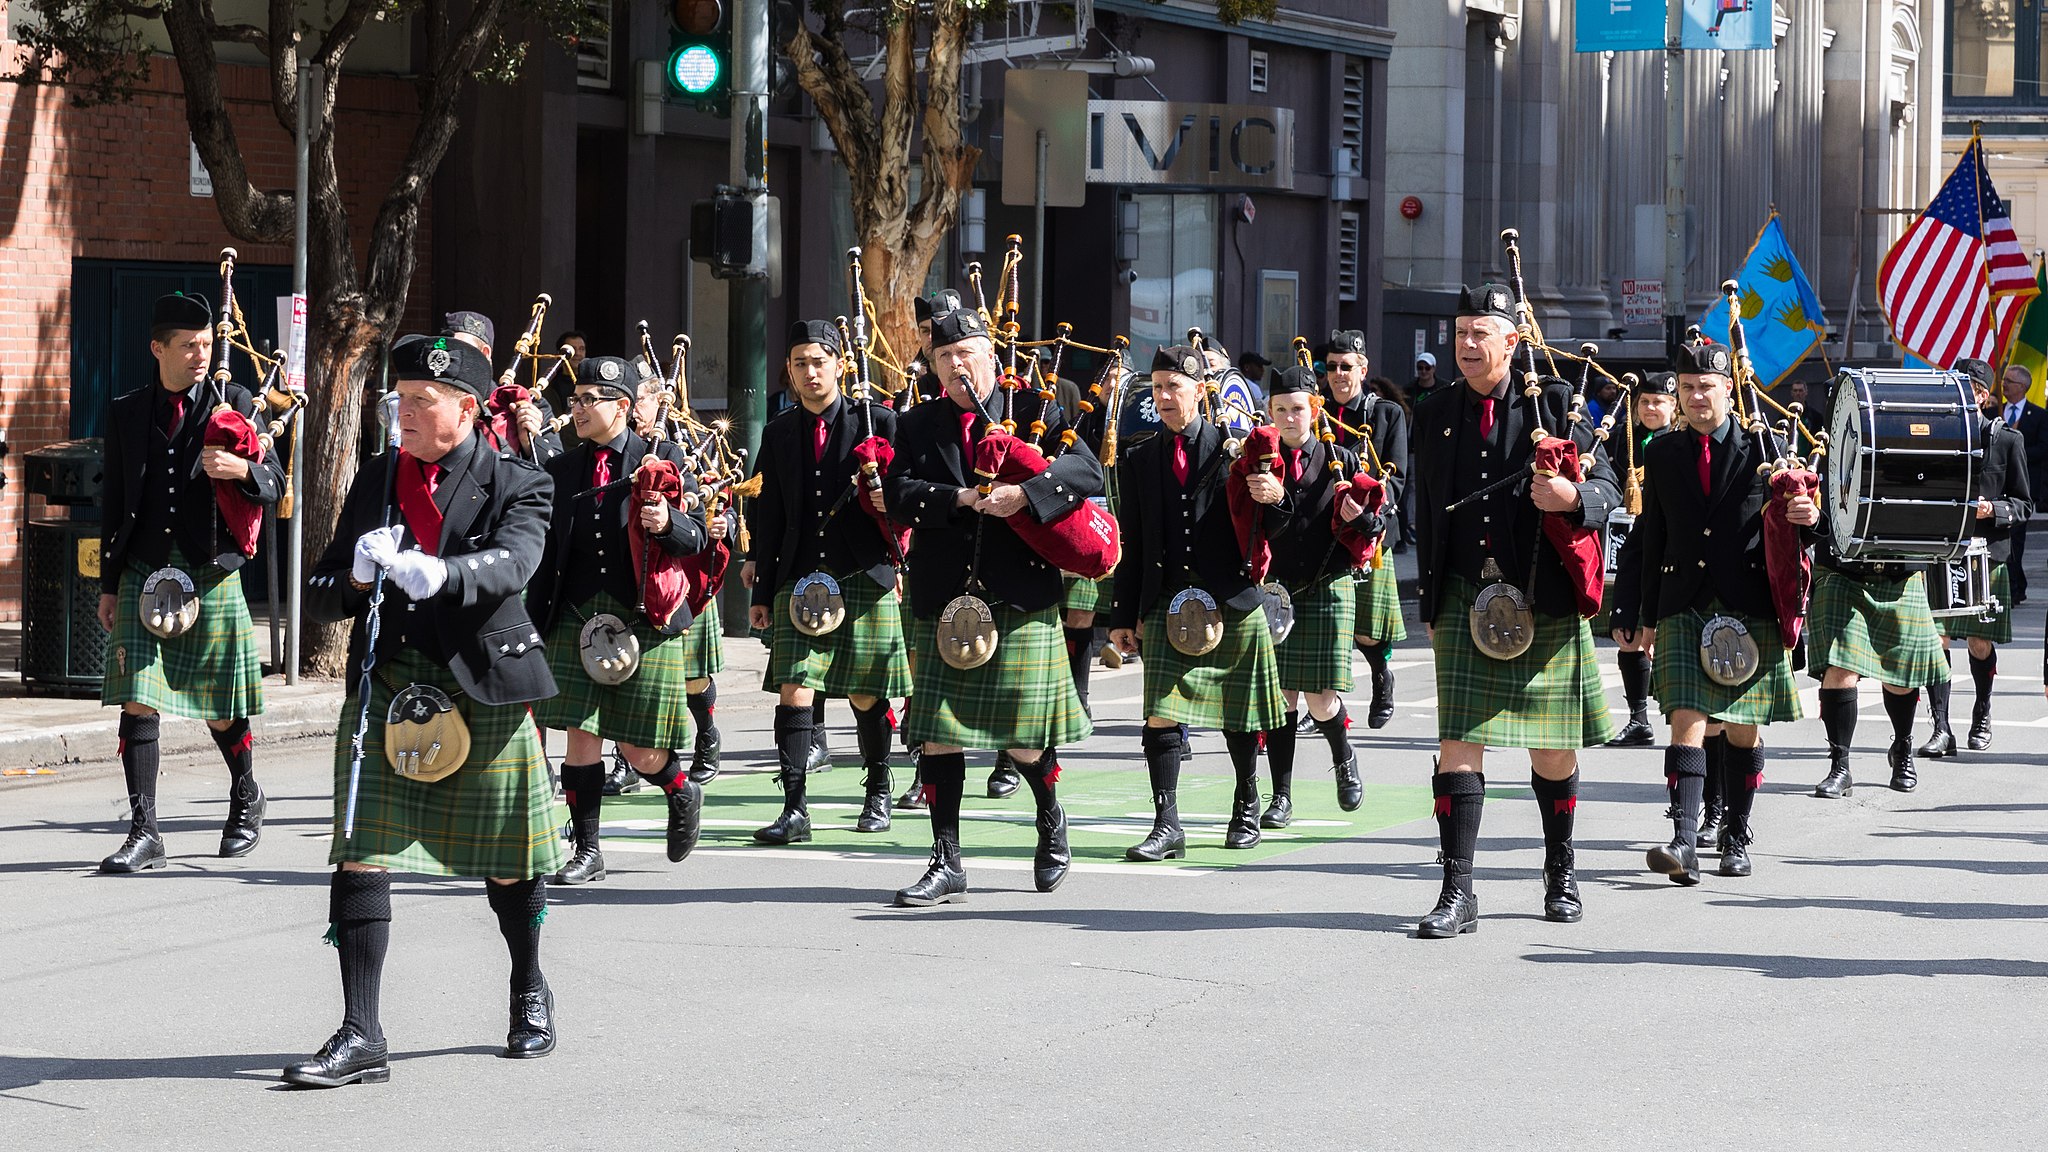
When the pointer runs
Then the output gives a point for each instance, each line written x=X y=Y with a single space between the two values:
x=589 y=399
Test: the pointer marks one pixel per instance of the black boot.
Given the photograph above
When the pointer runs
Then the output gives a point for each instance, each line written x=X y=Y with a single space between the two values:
x=1561 y=903
x=1381 y=710
x=1003 y=780
x=619 y=777
x=685 y=818
x=1343 y=761
x=1457 y=908
x=1244 y=804
x=1837 y=783
x=819 y=758
x=1635 y=688
x=1637 y=733
x=1735 y=839
x=245 y=799
x=583 y=791
x=142 y=851
x=1049 y=863
x=1280 y=743
x=874 y=731
x=1838 y=718
x=1902 y=708
x=794 y=745
x=793 y=826
x=346 y=1058
x=520 y=909
x=1166 y=841
x=144 y=848
x=874 y=808
x=1942 y=742
x=1900 y=756
x=1685 y=771
x=1557 y=801
x=912 y=799
x=704 y=753
x=1982 y=674
x=944 y=881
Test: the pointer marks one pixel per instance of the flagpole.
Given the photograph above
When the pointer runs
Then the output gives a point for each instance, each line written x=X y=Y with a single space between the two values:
x=1674 y=175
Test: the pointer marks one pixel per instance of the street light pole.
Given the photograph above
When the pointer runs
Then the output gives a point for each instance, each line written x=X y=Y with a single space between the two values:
x=1674 y=174
x=747 y=296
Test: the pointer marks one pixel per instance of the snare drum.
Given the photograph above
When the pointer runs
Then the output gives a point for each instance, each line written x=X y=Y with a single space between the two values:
x=1961 y=585
x=1901 y=464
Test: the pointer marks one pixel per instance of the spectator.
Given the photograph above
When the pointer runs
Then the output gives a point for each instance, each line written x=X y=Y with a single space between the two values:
x=579 y=347
x=1254 y=367
x=1425 y=375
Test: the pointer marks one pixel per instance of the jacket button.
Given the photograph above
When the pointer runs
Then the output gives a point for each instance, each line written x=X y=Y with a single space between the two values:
x=1703 y=563
x=1706 y=531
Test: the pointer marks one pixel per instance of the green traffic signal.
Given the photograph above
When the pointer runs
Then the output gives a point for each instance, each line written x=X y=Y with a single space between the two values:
x=694 y=69
x=699 y=42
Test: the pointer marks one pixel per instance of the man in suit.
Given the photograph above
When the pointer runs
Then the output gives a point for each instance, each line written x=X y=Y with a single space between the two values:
x=1375 y=428
x=2030 y=420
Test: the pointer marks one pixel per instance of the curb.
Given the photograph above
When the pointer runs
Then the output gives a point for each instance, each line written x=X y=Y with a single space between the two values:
x=84 y=751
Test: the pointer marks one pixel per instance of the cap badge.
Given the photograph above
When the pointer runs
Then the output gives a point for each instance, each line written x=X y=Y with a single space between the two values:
x=438 y=360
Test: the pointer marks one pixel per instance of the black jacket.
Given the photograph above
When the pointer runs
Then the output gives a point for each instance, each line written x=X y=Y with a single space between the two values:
x=2033 y=427
x=1147 y=498
x=922 y=490
x=1304 y=543
x=1437 y=418
x=570 y=474
x=2004 y=478
x=134 y=442
x=1686 y=548
x=1388 y=424
x=494 y=529
x=784 y=538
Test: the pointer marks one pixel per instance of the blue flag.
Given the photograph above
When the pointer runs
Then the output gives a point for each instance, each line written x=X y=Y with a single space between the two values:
x=1733 y=25
x=1781 y=317
x=1618 y=26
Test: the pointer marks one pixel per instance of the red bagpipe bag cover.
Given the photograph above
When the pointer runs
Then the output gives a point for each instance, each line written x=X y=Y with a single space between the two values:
x=1083 y=541
x=1578 y=548
x=499 y=423
x=1368 y=496
x=1261 y=454
x=877 y=451
x=1786 y=560
x=231 y=430
x=666 y=580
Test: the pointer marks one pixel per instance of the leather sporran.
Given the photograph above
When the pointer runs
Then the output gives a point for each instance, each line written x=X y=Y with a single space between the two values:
x=1503 y=627
x=1193 y=625
x=1728 y=653
x=169 y=603
x=425 y=737
x=610 y=650
x=816 y=605
x=967 y=632
x=1278 y=606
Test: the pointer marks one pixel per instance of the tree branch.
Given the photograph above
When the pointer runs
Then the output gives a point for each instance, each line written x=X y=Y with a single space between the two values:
x=249 y=214
x=284 y=64
x=828 y=77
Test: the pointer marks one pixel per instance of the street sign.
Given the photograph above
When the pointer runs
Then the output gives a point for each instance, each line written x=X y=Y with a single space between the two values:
x=1056 y=103
x=1642 y=302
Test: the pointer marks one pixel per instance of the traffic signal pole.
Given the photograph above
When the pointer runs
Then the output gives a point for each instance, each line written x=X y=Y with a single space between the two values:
x=747 y=300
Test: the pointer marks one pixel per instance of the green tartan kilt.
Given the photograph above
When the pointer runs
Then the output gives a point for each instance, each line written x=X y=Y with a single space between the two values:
x=1548 y=697
x=1880 y=628
x=862 y=657
x=1084 y=595
x=1998 y=629
x=1316 y=656
x=1678 y=680
x=1379 y=605
x=646 y=711
x=1235 y=688
x=704 y=644
x=1022 y=698
x=213 y=672
x=495 y=816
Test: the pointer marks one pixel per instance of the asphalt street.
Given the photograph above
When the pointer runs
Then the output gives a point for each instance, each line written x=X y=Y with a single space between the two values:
x=1881 y=981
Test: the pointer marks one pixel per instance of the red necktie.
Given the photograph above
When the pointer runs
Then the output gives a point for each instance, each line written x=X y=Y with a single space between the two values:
x=177 y=413
x=1180 y=460
x=1293 y=465
x=967 y=436
x=1486 y=416
x=1706 y=465
x=818 y=435
x=417 y=481
x=601 y=472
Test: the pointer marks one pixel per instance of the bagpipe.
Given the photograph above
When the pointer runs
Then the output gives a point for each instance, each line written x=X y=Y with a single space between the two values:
x=719 y=468
x=873 y=453
x=499 y=418
x=1360 y=498
x=277 y=413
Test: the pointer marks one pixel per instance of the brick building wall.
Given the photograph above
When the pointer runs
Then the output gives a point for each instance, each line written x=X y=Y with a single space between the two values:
x=114 y=183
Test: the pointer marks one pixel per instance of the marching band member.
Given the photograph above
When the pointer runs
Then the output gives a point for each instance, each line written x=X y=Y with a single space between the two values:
x=1656 y=407
x=1699 y=579
x=1182 y=590
x=822 y=583
x=1316 y=568
x=592 y=594
x=166 y=522
x=1547 y=696
x=1364 y=418
x=533 y=419
x=452 y=638
x=967 y=558
x=2004 y=498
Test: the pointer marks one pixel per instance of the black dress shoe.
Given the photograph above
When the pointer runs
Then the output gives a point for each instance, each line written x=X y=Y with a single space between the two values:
x=1306 y=726
x=944 y=881
x=1561 y=903
x=1381 y=709
x=585 y=866
x=346 y=1058
x=1457 y=909
x=1941 y=743
x=1735 y=849
x=1049 y=864
x=532 y=1032
x=1709 y=837
x=685 y=819
x=1637 y=733
x=1837 y=783
x=143 y=850
x=1678 y=860
x=1166 y=841
x=912 y=799
x=1187 y=745
x=245 y=820
x=704 y=755
x=1003 y=780
x=792 y=827
x=1279 y=813
x=1904 y=778
x=1244 y=824
x=820 y=758
x=1350 y=789
x=874 y=809
x=620 y=778
x=1980 y=728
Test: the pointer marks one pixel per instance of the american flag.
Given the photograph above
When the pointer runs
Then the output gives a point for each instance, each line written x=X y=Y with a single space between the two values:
x=1947 y=285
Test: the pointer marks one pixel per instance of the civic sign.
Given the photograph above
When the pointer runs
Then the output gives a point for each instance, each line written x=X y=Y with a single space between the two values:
x=1208 y=145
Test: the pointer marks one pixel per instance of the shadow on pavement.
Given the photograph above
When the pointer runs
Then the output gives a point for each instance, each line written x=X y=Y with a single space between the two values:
x=1156 y=920
x=1805 y=967
x=1912 y=909
x=26 y=1071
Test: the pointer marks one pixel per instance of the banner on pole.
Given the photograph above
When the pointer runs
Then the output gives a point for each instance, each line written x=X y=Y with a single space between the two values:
x=291 y=322
x=1619 y=26
x=1731 y=25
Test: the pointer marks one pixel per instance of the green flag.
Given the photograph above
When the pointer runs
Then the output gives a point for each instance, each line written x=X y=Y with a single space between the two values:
x=2030 y=342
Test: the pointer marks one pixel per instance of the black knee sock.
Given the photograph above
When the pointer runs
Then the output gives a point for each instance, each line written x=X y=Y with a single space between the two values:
x=793 y=729
x=704 y=707
x=1635 y=682
x=1745 y=774
x=235 y=744
x=1244 y=762
x=1901 y=706
x=139 y=766
x=1716 y=783
x=1982 y=672
x=520 y=908
x=1079 y=641
x=1685 y=775
x=1280 y=755
x=945 y=779
x=1162 y=758
x=1558 y=801
x=1337 y=730
x=818 y=732
x=1838 y=715
x=359 y=914
x=1460 y=799
x=669 y=778
x=1042 y=777
x=874 y=730
x=583 y=791
x=1937 y=705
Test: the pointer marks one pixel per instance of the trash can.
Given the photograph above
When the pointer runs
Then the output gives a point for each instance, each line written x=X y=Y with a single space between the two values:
x=63 y=647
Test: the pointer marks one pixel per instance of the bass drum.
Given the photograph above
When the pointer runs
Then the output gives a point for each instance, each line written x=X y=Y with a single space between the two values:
x=1901 y=464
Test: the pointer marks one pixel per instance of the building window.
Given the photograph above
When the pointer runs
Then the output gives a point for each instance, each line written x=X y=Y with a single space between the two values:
x=1351 y=118
x=1994 y=53
x=1175 y=289
x=594 y=52
x=1347 y=256
x=1261 y=63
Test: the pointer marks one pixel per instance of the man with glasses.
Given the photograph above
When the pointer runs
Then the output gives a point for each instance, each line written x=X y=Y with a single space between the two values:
x=1377 y=430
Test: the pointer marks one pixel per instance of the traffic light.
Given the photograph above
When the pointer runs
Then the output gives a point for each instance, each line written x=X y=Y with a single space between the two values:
x=722 y=235
x=700 y=54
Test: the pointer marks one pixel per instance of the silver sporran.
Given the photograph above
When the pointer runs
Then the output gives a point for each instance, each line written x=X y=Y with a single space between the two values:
x=610 y=650
x=1279 y=609
x=1728 y=653
x=816 y=605
x=967 y=632
x=1193 y=625
x=169 y=604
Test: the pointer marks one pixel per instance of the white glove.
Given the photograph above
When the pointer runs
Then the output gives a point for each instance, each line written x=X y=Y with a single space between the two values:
x=418 y=575
x=374 y=549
